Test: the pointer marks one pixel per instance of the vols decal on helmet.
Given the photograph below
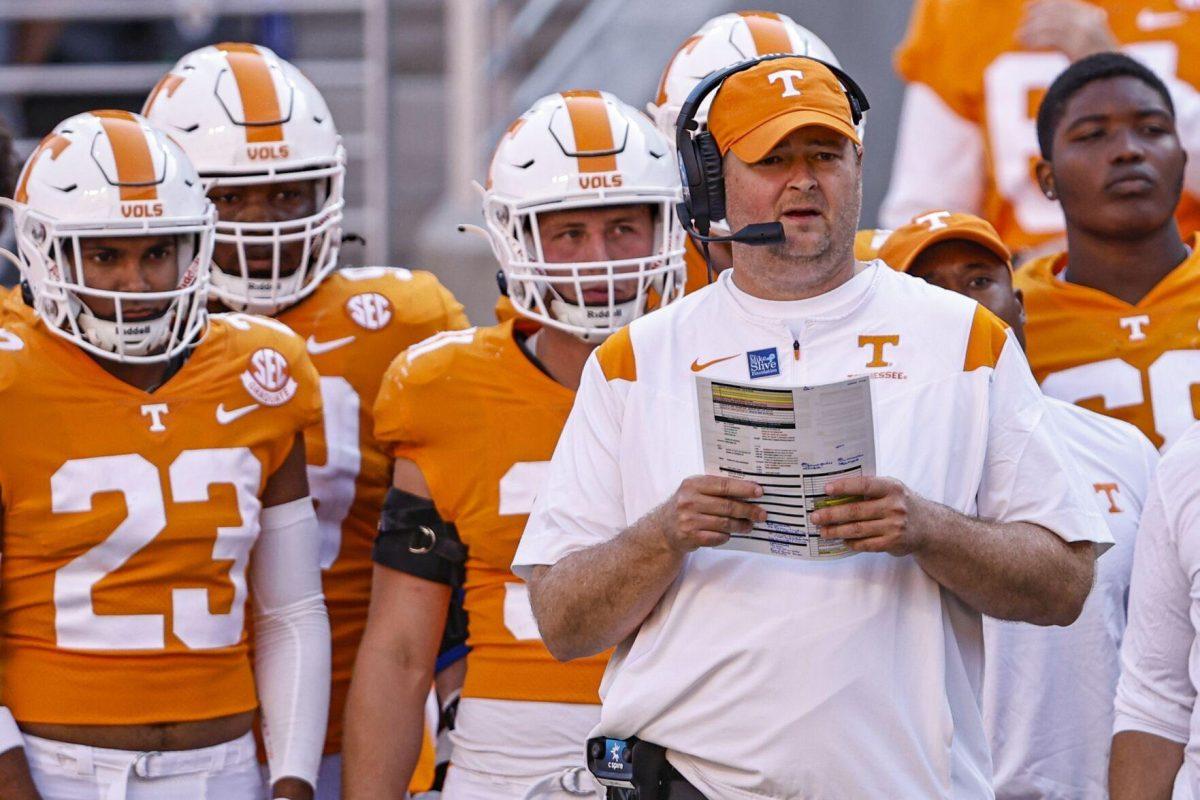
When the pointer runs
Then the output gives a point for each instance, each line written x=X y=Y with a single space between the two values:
x=134 y=163
x=168 y=83
x=53 y=144
x=594 y=145
x=768 y=32
x=369 y=310
x=261 y=115
x=689 y=44
x=268 y=379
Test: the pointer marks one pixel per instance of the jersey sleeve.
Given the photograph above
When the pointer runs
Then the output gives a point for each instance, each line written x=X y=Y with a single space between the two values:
x=1155 y=694
x=395 y=422
x=929 y=55
x=304 y=408
x=939 y=160
x=436 y=309
x=1028 y=476
x=581 y=503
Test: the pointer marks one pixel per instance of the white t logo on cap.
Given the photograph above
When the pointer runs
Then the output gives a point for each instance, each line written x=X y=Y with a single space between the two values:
x=934 y=220
x=788 y=78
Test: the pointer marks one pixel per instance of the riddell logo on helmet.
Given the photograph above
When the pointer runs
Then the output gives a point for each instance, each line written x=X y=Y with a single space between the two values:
x=609 y=181
x=267 y=152
x=137 y=210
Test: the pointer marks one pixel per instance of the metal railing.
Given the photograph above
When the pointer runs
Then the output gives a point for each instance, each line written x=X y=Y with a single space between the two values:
x=369 y=72
x=485 y=93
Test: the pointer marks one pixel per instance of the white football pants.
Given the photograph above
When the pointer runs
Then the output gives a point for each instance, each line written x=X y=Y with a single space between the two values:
x=65 y=771
x=572 y=784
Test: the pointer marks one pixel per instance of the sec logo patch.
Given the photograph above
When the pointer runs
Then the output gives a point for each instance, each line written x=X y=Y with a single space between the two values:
x=268 y=378
x=369 y=310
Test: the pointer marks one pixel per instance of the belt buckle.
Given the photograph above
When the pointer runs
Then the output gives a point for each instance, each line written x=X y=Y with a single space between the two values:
x=141 y=764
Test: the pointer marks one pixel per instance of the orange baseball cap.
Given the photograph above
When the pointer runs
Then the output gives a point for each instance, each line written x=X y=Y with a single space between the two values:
x=755 y=108
x=925 y=230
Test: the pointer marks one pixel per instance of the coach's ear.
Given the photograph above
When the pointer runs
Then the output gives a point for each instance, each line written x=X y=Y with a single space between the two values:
x=1045 y=178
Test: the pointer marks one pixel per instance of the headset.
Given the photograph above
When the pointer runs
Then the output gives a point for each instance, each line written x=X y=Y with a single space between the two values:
x=700 y=161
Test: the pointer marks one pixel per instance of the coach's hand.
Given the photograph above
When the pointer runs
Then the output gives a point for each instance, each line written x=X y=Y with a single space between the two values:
x=1073 y=27
x=890 y=518
x=705 y=510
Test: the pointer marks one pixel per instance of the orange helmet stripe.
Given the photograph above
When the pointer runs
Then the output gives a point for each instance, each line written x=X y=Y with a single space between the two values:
x=53 y=144
x=168 y=83
x=135 y=164
x=688 y=45
x=260 y=103
x=593 y=132
x=768 y=31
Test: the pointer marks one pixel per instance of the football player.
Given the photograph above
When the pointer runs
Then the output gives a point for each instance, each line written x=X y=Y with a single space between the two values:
x=722 y=42
x=1112 y=321
x=1047 y=692
x=977 y=70
x=151 y=478
x=266 y=147
x=579 y=208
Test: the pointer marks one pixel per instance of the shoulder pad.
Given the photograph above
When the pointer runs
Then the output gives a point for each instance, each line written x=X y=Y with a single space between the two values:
x=427 y=361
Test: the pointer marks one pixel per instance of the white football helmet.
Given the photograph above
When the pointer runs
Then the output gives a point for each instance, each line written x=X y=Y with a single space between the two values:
x=245 y=116
x=108 y=174
x=722 y=42
x=573 y=150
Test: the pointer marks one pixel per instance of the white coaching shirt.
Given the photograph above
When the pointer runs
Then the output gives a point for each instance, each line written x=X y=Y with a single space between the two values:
x=768 y=677
x=1048 y=691
x=1160 y=656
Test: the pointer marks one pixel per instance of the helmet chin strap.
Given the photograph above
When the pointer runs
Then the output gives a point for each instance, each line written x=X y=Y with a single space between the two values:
x=600 y=321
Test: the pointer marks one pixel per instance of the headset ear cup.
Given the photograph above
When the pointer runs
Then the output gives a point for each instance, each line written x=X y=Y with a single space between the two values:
x=714 y=177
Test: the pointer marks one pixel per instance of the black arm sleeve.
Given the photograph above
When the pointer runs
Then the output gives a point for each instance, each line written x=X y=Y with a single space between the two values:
x=414 y=539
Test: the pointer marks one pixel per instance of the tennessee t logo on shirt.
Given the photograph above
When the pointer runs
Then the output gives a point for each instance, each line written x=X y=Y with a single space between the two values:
x=763 y=363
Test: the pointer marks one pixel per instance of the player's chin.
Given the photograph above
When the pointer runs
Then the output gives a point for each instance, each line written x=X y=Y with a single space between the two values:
x=1133 y=217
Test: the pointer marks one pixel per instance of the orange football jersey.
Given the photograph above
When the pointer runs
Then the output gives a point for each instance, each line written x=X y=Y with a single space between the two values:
x=1139 y=363
x=355 y=324
x=11 y=302
x=129 y=519
x=481 y=421
x=966 y=52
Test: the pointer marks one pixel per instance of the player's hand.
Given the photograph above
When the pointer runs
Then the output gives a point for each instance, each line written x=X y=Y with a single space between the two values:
x=705 y=510
x=890 y=518
x=1073 y=27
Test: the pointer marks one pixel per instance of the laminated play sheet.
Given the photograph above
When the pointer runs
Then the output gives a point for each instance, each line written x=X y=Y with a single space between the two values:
x=791 y=441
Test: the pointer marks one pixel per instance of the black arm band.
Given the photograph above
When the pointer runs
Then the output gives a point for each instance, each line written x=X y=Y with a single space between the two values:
x=414 y=539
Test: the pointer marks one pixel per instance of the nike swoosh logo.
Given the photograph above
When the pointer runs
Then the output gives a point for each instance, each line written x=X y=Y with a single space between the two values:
x=1149 y=20
x=316 y=348
x=698 y=367
x=225 y=417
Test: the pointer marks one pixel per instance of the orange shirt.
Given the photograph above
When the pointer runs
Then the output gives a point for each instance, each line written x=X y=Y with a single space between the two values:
x=129 y=519
x=1139 y=363
x=355 y=323
x=481 y=421
x=966 y=52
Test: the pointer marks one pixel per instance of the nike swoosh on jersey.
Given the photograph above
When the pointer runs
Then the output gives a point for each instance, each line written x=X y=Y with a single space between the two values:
x=316 y=348
x=225 y=417
x=698 y=367
x=1150 y=20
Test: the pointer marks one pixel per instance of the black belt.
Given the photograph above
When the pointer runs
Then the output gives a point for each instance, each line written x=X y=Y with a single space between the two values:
x=676 y=787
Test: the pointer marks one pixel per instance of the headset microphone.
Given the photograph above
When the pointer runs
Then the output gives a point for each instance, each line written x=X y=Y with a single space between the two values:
x=758 y=233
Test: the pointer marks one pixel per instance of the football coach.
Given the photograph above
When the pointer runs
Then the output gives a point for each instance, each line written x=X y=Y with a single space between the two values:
x=764 y=676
